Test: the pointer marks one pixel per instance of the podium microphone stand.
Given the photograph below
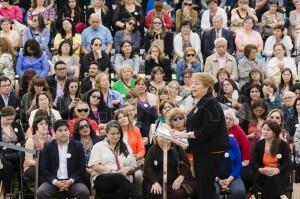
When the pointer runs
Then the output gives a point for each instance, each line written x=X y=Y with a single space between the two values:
x=25 y=150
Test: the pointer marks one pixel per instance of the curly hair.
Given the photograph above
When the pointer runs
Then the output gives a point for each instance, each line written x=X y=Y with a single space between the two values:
x=37 y=81
x=5 y=46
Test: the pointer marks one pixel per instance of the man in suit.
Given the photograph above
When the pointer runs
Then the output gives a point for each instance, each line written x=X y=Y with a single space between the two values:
x=62 y=166
x=56 y=82
x=89 y=82
x=7 y=99
x=210 y=35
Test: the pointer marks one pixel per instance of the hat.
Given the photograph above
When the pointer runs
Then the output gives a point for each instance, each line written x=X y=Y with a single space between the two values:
x=244 y=2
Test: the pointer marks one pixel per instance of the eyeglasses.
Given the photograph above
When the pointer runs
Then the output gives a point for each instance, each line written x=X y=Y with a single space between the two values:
x=5 y=85
x=157 y=22
x=132 y=24
x=85 y=126
x=187 y=77
x=188 y=4
x=190 y=55
x=61 y=69
x=254 y=91
x=97 y=44
x=96 y=96
x=83 y=110
x=177 y=119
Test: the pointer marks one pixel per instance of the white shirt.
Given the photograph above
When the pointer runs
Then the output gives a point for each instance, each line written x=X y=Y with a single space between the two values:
x=62 y=172
x=5 y=99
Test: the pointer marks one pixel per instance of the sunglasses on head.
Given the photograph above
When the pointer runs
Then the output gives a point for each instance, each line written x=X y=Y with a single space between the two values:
x=177 y=119
x=83 y=110
x=85 y=126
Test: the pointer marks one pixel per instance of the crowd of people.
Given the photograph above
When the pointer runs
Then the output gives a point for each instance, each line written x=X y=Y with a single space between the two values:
x=88 y=83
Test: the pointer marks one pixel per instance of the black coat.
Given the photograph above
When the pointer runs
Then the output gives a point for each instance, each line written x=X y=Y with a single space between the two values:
x=209 y=37
x=207 y=121
x=291 y=125
x=168 y=43
x=13 y=101
x=49 y=161
x=52 y=83
x=85 y=62
x=86 y=85
x=105 y=18
x=164 y=63
x=62 y=105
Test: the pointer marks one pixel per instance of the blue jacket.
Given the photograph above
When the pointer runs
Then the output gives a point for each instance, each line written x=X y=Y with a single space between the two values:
x=38 y=64
x=235 y=163
x=181 y=66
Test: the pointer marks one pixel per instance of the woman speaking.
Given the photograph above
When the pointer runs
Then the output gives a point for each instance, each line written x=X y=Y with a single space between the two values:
x=207 y=134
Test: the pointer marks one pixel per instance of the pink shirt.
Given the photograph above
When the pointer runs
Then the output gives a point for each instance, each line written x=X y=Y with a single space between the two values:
x=13 y=13
x=253 y=37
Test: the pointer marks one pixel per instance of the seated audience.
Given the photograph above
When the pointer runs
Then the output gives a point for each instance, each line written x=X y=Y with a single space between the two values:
x=212 y=11
x=59 y=180
x=32 y=57
x=271 y=162
x=126 y=81
x=186 y=13
x=111 y=167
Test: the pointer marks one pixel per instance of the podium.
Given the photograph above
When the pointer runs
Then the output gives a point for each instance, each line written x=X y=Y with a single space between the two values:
x=165 y=133
x=26 y=150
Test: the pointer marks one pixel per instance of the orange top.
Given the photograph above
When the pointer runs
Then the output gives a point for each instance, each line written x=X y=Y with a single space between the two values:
x=270 y=161
x=136 y=142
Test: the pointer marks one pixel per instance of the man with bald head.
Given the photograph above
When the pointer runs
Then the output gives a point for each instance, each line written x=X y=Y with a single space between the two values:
x=96 y=29
x=209 y=36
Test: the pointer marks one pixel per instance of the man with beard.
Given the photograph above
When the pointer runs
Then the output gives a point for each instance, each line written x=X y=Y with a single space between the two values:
x=56 y=82
x=89 y=82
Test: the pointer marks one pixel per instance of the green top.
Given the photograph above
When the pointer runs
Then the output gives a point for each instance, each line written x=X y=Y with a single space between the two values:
x=122 y=88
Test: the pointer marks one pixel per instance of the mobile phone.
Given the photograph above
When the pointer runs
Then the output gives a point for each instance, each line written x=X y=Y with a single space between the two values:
x=76 y=99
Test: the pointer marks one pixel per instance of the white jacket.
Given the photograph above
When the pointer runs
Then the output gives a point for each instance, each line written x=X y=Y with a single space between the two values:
x=205 y=24
x=195 y=41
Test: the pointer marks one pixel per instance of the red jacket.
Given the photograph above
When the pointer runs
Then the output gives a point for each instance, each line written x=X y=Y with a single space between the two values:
x=164 y=15
x=91 y=122
x=242 y=140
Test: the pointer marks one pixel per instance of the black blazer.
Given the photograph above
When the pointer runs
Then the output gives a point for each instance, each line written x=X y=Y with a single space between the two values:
x=13 y=101
x=86 y=85
x=290 y=125
x=168 y=43
x=49 y=161
x=52 y=83
x=283 y=151
x=207 y=121
x=209 y=37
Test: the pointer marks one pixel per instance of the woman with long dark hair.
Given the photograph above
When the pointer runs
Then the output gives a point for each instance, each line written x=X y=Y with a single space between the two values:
x=72 y=11
x=85 y=134
x=66 y=103
x=34 y=58
x=128 y=33
x=110 y=161
x=67 y=31
x=292 y=123
x=286 y=82
x=38 y=31
x=127 y=56
x=271 y=162
x=99 y=111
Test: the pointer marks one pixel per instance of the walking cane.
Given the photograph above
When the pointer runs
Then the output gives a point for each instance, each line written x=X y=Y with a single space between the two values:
x=165 y=171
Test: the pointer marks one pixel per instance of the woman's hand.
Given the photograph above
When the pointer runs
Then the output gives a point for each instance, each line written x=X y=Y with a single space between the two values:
x=115 y=102
x=177 y=182
x=235 y=104
x=156 y=188
x=251 y=136
x=125 y=170
x=178 y=135
x=245 y=163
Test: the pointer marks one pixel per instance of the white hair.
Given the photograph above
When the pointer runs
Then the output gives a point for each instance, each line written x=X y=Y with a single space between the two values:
x=220 y=40
x=232 y=114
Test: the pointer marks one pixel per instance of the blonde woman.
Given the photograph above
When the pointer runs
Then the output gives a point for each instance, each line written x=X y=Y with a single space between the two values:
x=126 y=81
x=156 y=57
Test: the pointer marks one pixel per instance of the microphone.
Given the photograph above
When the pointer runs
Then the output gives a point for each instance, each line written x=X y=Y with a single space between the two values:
x=182 y=100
